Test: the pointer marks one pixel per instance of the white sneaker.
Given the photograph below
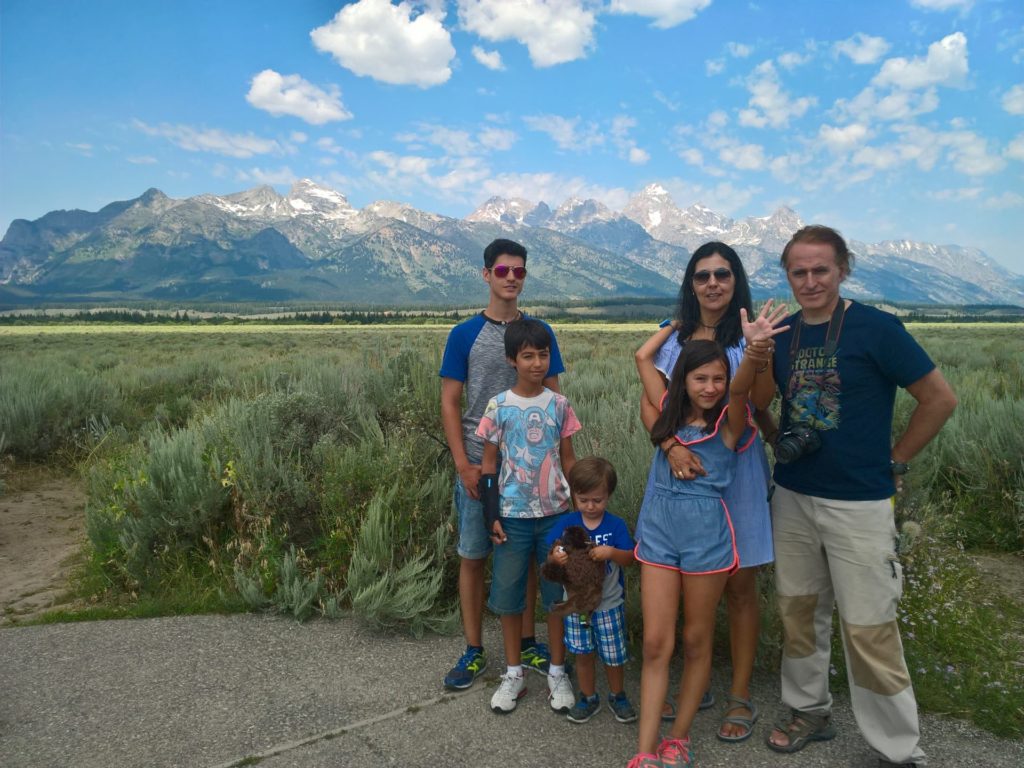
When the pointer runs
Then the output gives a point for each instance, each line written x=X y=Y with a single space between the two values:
x=511 y=690
x=560 y=693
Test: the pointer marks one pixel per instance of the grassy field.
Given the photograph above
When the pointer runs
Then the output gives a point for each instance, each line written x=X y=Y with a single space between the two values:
x=241 y=467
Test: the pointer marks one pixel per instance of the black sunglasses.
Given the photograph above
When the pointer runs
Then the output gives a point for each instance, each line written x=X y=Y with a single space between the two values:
x=502 y=271
x=722 y=275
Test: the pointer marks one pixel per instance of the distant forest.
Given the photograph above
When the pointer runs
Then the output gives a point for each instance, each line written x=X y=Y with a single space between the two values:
x=603 y=311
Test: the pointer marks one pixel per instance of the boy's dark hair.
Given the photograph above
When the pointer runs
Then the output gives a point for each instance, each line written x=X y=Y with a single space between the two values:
x=592 y=473
x=678 y=410
x=502 y=246
x=525 y=332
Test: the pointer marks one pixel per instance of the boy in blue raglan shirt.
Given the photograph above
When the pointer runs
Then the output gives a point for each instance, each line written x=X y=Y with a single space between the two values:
x=592 y=481
x=474 y=369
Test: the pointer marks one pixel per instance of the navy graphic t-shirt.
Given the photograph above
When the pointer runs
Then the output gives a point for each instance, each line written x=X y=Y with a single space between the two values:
x=848 y=397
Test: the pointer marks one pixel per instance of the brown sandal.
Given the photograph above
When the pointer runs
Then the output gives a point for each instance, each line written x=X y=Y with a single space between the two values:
x=801 y=729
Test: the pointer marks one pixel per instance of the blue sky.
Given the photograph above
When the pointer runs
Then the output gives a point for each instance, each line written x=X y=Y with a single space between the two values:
x=889 y=119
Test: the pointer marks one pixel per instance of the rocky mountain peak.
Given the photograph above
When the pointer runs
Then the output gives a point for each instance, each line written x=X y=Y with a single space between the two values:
x=500 y=210
x=307 y=197
x=575 y=212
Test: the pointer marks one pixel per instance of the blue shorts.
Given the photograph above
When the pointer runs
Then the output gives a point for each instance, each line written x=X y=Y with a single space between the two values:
x=474 y=543
x=694 y=537
x=606 y=632
x=527 y=538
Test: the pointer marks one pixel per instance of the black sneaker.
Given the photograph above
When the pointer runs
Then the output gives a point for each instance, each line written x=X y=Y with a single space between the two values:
x=620 y=706
x=584 y=709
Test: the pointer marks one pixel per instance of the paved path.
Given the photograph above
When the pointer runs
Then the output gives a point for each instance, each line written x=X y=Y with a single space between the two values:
x=219 y=691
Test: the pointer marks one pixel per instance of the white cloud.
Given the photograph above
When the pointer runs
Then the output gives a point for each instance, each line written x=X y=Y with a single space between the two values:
x=1013 y=100
x=942 y=5
x=945 y=64
x=453 y=142
x=965 y=151
x=291 y=95
x=490 y=59
x=551 y=188
x=1004 y=201
x=862 y=48
x=553 y=31
x=845 y=139
x=692 y=156
x=670 y=104
x=666 y=13
x=723 y=197
x=745 y=157
x=565 y=131
x=280 y=176
x=392 y=43
x=497 y=138
x=970 y=155
x=769 y=104
x=792 y=59
x=788 y=168
x=142 y=160
x=212 y=140
x=1015 y=149
x=83 y=148
x=881 y=158
x=638 y=156
x=739 y=50
x=327 y=144
x=298 y=137
x=714 y=67
x=956 y=195
x=717 y=119
x=896 y=105
x=622 y=125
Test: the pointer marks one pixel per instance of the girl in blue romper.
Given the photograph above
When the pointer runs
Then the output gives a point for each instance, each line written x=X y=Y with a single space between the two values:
x=685 y=542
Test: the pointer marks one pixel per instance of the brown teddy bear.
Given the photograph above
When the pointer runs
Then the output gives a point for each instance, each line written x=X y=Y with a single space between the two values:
x=582 y=577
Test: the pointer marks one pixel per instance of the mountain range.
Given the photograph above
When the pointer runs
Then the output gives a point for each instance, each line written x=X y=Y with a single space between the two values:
x=312 y=245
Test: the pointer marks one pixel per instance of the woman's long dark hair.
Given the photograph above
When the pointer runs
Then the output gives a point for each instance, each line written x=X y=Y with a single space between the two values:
x=728 y=332
x=678 y=409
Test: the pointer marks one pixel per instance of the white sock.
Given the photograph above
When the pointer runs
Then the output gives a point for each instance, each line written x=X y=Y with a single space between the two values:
x=516 y=670
x=556 y=670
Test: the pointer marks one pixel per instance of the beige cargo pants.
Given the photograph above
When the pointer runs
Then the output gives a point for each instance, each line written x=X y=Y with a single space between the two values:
x=843 y=552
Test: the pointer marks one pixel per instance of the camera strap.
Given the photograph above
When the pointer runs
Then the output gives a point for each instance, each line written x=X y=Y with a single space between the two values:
x=835 y=327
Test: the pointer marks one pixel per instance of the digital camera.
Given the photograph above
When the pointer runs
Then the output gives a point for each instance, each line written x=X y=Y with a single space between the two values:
x=795 y=442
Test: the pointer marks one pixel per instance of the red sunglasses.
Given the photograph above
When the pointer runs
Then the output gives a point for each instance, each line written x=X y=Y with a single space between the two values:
x=502 y=270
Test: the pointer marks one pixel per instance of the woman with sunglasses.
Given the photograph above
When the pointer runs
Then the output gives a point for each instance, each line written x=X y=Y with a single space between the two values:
x=713 y=291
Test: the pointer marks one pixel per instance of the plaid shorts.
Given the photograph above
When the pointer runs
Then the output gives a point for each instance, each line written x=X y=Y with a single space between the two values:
x=606 y=630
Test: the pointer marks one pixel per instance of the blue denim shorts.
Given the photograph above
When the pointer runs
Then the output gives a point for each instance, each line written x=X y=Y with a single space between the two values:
x=474 y=543
x=527 y=537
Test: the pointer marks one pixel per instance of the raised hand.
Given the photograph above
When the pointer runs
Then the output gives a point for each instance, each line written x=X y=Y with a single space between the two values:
x=760 y=332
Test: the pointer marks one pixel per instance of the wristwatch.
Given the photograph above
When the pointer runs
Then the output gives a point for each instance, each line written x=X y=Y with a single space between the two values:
x=898 y=467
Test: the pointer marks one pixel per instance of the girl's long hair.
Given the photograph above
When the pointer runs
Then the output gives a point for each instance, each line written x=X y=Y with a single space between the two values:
x=728 y=332
x=678 y=409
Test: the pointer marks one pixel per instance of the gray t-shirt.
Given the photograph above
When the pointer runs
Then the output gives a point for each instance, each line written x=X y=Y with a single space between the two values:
x=475 y=355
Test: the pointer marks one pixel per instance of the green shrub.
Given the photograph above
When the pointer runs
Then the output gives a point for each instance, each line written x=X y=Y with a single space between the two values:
x=395 y=581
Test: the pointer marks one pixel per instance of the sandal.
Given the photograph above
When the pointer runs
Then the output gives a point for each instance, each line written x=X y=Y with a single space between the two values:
x=668 y=710
x=801 y=729
x=734 y=703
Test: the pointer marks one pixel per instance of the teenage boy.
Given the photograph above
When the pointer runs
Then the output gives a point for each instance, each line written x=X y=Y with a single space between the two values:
x=592 y=481
x=528 y=438
x=474 y=365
